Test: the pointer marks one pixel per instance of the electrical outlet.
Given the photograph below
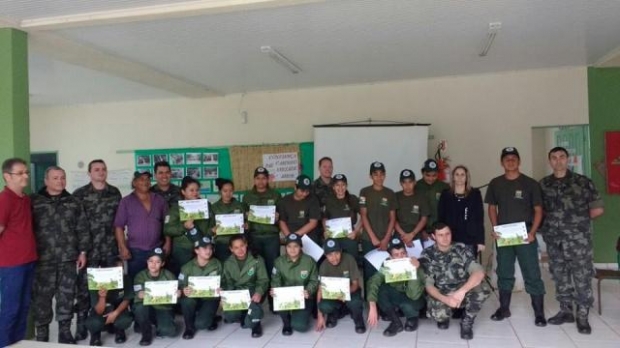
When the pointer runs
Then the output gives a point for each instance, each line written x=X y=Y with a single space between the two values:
x=495 y=26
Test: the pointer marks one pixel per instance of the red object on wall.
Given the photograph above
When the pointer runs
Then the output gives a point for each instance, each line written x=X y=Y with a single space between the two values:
x=612 y=161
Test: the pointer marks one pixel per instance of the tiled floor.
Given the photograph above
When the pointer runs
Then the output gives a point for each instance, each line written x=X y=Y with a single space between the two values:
x=518 y=331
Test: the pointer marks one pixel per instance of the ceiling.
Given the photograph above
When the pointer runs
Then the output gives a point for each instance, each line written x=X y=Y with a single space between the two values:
x=114 y=50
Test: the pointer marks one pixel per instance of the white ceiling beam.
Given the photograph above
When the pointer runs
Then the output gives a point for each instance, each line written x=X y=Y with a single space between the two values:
x=611 y=59
x=155 y=12
x=59 y=48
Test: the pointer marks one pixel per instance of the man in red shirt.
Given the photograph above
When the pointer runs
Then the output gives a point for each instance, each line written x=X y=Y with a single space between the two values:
x=17 y=252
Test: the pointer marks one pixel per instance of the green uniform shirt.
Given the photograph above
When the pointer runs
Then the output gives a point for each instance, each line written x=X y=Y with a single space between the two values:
x=412 y=288
x=432 y=193
x=347 y=268
x=234 y=207
x=302 y=272
x=515 y=199
x=173 y=227
x=448 y=271
x=173 y=195
x=143 y=277
x=379 y=204
x=192 y=269
x=298 y=213
x=114 y=297
x=411 y=209
x=269 y=197
x=340 y=208
x=252 y=276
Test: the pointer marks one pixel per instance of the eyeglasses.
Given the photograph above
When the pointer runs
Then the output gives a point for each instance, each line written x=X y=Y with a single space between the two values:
x=20 y=174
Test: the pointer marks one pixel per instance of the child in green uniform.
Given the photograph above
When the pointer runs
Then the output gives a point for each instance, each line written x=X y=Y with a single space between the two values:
x=264 y=238
x=227 y=204
x=406 y=295
x=243 y=271
x=160 y=315
x=295 y=269
x=199 y=313
x=432 y=188
x=340 y=265
x=378 y=211
x=341 y=204
x=413 y=210
x=182 y=244
x=299 y=211
x=110 y=307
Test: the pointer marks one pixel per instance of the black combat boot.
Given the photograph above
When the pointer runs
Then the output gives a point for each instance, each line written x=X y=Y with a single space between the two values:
x=190 y=328
x=147 y=336
x=539 y=310
x=120 y=336
x=411 y=324
x=64 y=332
x=565 y=315
x=257 y=330
x=395 y=326
x=583 y=326
x=42 y=333
x=358 y=320
x=504 y=306
x=95 y=340
x=467 y=324
x=81 y=333
x=287 y=330
x=331 y=320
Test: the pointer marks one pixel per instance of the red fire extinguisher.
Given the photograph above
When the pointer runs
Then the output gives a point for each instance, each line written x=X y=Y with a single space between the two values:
x=442 y=162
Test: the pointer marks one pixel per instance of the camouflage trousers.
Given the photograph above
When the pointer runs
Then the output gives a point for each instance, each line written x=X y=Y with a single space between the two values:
x=472 y=303
x=53 y=280
x=571 y=266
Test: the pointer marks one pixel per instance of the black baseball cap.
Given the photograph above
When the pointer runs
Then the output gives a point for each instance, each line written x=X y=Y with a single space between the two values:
x=339 y=177
x=407 y=174
x=293 y=238
x=159 y=252
x=137 y=174
x=430 y=165
x=509 y=151
x=203 y=242
x=377 y=166
x=395 y=243
x=303 y=182
x=331 y=245
x=261 y=171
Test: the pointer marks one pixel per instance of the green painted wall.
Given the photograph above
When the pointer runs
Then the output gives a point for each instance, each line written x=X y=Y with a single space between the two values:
x=604 y=105
x=14 y=98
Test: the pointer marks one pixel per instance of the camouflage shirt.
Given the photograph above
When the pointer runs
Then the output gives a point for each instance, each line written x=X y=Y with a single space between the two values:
x=173 y=195
x=448 y=271
x=321 y=190
x=60 y=227
x=100 y=208
x=567 y=203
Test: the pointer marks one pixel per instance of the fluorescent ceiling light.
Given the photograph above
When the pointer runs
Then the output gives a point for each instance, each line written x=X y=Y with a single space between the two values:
x=494 y=27
x=280 y=59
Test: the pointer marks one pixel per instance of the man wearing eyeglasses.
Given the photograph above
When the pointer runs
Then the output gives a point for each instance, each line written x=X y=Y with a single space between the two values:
x=18 y=252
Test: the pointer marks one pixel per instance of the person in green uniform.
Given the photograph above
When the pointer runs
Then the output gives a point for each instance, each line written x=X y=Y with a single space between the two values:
x=295 y=268
x=340 y=265
x=244 y=271
x=378 y=211
x=227 y=204
x=163 y=187
x=515 y=197
x=413 y=209
x=160 y=315
x=199 y=313
x=110 y=308
x=183 y=233
x=299 y=211
x=408 y=295
x=264 y=238
x=431 y=187
x=342 y=204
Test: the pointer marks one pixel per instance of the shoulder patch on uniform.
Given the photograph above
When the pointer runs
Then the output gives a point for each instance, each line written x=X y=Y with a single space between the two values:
x=251 y=271
x=181 y=276
x=167 y=219
x=304 y=274
x=137 y=287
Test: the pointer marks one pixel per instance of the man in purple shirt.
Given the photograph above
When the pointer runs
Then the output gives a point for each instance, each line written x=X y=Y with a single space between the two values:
x=143 y=213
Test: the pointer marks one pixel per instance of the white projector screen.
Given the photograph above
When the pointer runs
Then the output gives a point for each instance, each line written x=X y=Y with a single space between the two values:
x=354 y=147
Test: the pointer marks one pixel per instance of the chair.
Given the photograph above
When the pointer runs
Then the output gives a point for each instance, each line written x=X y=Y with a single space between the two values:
x=602 y=274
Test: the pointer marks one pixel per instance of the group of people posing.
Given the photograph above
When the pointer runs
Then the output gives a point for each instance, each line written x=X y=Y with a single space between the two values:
x=48 y=239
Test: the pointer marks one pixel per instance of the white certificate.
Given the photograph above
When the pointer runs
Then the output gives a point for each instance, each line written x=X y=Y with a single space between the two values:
x=511 y=234
x=204 y=286
x=228 y=224
x=398 y=270
x=310 y=248
x=235 y=300
x=376 y=257
x=196 y=209
x=105 y=278
x=262 y=214
x=160 y=292
x=338 y=228
x=336 y=288
x=416 y=249
x=288 y=298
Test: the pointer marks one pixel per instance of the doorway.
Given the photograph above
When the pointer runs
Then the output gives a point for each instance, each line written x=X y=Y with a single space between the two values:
x=575 y=138
x=39 y=162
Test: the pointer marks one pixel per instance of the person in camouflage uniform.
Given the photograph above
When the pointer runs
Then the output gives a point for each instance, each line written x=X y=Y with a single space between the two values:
x=170 y=192
x=570 y=202
x=100 y=201
x=453 y=280
x=63 y=239
x=322 y=186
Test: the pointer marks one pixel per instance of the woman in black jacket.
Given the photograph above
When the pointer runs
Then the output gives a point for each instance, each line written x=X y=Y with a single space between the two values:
x=461 y=208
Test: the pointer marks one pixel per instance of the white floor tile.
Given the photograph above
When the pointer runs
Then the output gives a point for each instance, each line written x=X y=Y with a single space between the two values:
x=494 y=342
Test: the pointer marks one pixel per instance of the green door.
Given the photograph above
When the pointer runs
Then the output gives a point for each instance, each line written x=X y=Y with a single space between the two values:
x=39 y=162
x=576 y=139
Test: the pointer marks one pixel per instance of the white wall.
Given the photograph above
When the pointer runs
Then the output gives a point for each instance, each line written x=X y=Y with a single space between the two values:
x=477 y=115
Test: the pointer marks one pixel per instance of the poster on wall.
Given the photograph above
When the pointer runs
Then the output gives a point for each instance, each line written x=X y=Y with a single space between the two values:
x=282 y=166
x=612 y=161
